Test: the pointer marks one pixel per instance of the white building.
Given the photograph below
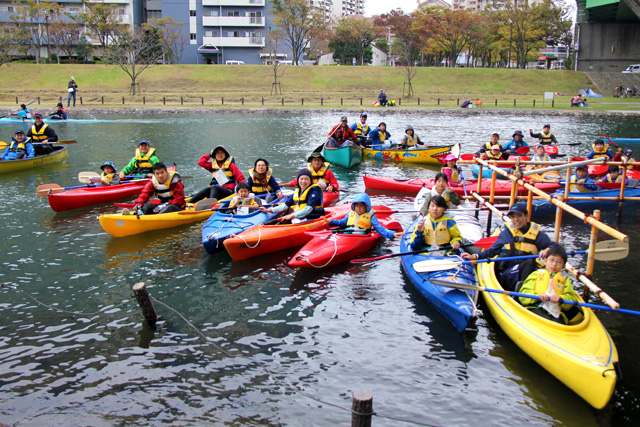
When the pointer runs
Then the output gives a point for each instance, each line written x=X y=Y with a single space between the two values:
x=347 y=7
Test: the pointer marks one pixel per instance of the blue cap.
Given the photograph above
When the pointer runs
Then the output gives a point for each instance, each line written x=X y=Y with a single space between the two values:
x=628 y=151
x=113 y=165
x=519 y=208
x=19 y=131
x=144 y=141
x=363 y=115
x=547 y=126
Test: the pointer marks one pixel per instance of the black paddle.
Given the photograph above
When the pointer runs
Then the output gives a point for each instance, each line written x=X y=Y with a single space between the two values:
x=319 y=149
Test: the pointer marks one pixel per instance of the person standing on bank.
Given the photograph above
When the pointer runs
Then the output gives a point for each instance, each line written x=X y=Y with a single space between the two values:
x=42 y=135
x=72 y=88
x=225 y=175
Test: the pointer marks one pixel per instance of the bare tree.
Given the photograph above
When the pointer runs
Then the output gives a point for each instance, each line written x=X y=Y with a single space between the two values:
x=30 y=16
x=174 y=40
x=275 y=70
x=300 y=21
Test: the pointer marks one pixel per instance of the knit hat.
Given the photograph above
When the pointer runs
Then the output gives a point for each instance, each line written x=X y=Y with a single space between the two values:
x=301 y=172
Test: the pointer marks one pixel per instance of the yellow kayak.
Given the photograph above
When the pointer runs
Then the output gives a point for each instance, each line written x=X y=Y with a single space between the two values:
x=581 y=356
x=432 y=155
x=59 y=154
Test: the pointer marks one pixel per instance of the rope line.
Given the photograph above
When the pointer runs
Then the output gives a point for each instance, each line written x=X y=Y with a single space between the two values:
x=245 y=242
x=335 y=252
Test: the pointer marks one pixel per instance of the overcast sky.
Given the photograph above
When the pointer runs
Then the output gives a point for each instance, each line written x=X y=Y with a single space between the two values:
x=377 y=7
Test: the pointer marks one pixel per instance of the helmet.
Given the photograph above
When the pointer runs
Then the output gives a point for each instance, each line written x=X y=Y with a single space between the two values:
x=628 y=151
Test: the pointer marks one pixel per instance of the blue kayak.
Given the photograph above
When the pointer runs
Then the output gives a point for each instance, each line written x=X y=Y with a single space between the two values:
x=543 y=207
x=457 y=305
x=486 y=172
x=50 y=120
x=626 y=140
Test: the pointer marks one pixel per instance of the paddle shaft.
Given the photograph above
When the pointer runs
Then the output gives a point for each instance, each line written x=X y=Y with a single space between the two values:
x=319 y=149
x=514 y=258
x=614 y=144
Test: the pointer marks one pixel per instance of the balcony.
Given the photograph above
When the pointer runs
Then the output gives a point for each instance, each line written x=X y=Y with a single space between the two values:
x=233 y=2
x=232 y=21
x=234 y=41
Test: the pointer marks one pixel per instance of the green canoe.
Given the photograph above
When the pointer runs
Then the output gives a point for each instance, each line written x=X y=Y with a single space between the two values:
x=346 y=156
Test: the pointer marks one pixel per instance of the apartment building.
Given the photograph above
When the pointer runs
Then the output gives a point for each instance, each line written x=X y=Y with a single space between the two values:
x=347 y=7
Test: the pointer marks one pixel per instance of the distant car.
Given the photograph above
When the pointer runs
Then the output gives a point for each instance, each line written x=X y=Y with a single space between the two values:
x=633 y=68
x=287 y=62
x=233 y=62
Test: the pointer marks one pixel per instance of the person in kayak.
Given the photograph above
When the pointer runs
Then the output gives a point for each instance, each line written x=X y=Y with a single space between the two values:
x=320 y=173
x=167 y=186
x=614 y=175
x=599 y=149
x=24 y=112
x=244 y=201
x=580 y=180
x=496 y=153
x=410 y=139
x=626 y=155
x=440 y=188
x=488 y=146
x=60 y=113
x=550 y=284
x=516 y=142
x=436 y=230
x=306 y=203
x=142 y=163
x=380 y=138
x=362 y=219
x=361 y=129
x=341 y=135
x=261 y=180
x=224 y=175
x=545 y=137
x=42 y=135
x=19 y=148
x=541 y=156
x=452 y=171
x=518 y=238
x=109 y=175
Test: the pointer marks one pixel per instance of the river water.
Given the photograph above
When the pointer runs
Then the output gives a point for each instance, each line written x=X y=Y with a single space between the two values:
x=255 y=342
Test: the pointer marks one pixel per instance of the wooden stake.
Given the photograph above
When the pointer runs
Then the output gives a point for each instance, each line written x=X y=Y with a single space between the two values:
x=361 y=409
x=144 y=301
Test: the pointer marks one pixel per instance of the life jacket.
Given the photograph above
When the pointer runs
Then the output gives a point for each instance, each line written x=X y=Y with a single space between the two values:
x=618 y=180
x=107 y=177
x=440 y=233
x=491 y=156
x=601 y=153
x=411 y=141
x=341 y=134
x=258 y=187
x=546 y=138
x=28 y=113
x=543 y=279
x=163 y=191
x=318 y=175
x=362 y=221
x=382 y=135
x=226 y=168
x=445 y=195
x=300 y=200
x=535 y=158
x=488 y=145
x=38 y=135
x=455 y=173
x=18 y=146
x=361 y=130
x=575 y=184
x=626 y=158
x=143 y=165
x=247 y=201
x=525 y=244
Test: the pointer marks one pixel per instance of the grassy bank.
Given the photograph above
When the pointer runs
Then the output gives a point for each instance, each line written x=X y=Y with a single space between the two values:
x=303 y=86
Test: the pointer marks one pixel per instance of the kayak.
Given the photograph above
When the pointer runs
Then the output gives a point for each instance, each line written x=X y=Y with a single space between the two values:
x=551 y=150
x=346 y=157
x=543 y=207
x=331 y=247
x=488 y=173
x=87 y=196
x=413 y=186
x=59 y=154
x=457 y=305
x=581 y=356
x=223 y=225
x=432 y=155
x=264 y=239
x=50 y=120
x=626 y=140
x=329 y=199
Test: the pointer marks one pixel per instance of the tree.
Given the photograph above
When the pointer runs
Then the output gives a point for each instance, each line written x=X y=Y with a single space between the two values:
x=173 y=38
x=136 y=50
x=30 y=15
x=382 y=44
x=65 y=37
x=352 y=38
x=84 y=50
x=524 y=19
x=11 y=41
x=300 y=22
x=276 y=70
x=101 y=21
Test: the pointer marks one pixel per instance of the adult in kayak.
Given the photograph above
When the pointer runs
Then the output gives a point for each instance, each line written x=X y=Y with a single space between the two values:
x=320 y=173
x=518 y=238
x=452 y=171
x=614 y=175
x=496 y=153
x=306 y=203
x=361 y=129
x=261 y=180
x=224 y=175
x=167 y=186
x=362 y=219
x=488 y=146
x=60 y=113
x=341 y=135
x=109 y=175
x=626 y=155
x=42 y=135
x=545 y=137
x=440 y=188
x=436 y=230
x=599 y=149
x=580 y=180
x=24 y=112
x=142 y=163
x=379 y=136
x=410 y=139
x=516 y=142
x=19 y=148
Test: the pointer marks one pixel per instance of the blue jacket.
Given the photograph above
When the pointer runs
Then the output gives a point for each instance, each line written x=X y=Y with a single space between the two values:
x=364 y=198
x=272 y=183
x=375 y=137
x=514 y=145
x=24 y=113
x=314 y=198
x=11 y=155
x=593 y=153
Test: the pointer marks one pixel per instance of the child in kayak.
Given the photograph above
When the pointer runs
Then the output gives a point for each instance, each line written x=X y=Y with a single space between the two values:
x=550 y=284
x=244 y=201
x=614 y=175
x=306 y=203
x=109 y=175
x=440 y=188
x=436 y=230
x=167 y=186
x=362 y=219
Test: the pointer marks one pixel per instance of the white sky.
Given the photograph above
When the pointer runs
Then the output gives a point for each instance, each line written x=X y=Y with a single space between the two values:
x=377 y=7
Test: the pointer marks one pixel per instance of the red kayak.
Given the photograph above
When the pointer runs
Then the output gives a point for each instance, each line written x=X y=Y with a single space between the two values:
x=512 y=158
x=413 y=186
x=87 y=196
x=602 y=170
x=551 y=150
x=328 y=248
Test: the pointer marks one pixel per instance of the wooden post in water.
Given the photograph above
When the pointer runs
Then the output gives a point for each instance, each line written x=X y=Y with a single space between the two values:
x=144 y=301
x=592 y=253
x=361 y=409
x=624 y=180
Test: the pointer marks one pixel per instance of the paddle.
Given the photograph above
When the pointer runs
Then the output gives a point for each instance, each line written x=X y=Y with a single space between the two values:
x=471 y=287
x=319 y=149
x=46 y=189
x=570 y=144
x=87 y=175
x=614 y=144
x=522 y=150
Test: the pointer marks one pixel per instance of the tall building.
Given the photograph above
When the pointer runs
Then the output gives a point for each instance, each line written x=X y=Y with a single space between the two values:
x=347 y=7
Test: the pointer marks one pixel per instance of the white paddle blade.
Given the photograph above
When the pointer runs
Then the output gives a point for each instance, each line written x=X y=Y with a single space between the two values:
x=435 y=265
x=85 y=177
x=456 y=285
x=455 y=150
x=611 y=250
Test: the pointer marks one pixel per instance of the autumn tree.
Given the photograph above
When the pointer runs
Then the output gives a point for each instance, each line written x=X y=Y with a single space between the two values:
x=101 y=21
x=300 y=22
x=173 y=39
x=352 y=38
x=527 y=32
x=12 y=42
x=31 y=17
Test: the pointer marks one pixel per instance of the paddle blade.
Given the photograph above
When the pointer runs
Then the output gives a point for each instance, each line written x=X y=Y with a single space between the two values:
x=3 y=144
x=456 y=285
x=67 y=141
x=467 y=156
x=522 y=150
x=87 y=175
x=485 y=243
x=611 y=250
x=205 y=204
x=455 y=150
x=46 y=189
x=431 y=265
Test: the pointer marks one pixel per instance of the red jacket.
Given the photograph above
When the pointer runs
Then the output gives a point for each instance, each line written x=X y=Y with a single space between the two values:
x=341 y=134
x=328 y=175
x=149 y=190
x=618 y=158
x=205 y=163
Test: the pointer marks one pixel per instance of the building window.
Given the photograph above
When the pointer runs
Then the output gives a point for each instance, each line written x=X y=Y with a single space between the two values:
x=255 y=17
x=154 y=14
x=192 y=13
x=211 y=13
x=121 y=12
x=233 y=13
x=211 y=33
x=192 y=36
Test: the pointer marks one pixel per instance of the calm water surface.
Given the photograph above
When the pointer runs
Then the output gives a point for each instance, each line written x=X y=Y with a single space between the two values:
x=270 y=341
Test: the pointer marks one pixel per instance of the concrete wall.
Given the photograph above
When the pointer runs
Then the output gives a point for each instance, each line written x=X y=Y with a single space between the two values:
x=607 y=47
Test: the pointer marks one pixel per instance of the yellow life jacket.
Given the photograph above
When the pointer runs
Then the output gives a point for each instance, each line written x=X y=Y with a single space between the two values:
x=362 y=221
x=455 y=173
x=142 y=161
x=488 y=145
x=411 y=141
x=246 y=201
x=543 y=279
x=226 y=168
x=439 y=233
x=546 y=137
x=17 y=146
x=300 y=200
x=575 y=184
x=626 y=158
x=39 y=135
x=107 y=177
x=618 y=180
x=600 y=153
x=491 y=156
x=445 y=195
x=163 y=189
x=524 y=243
x=361 y=130
x=257 y=187
x=382 y=135
x=319 y=175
